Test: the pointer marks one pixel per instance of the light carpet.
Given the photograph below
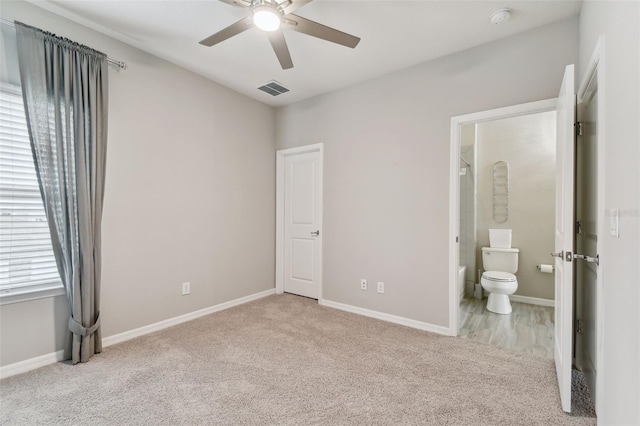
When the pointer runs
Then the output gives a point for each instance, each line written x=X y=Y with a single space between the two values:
x=286 y=360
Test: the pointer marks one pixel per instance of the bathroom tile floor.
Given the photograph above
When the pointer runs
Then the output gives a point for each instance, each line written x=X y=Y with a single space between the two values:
x=529 y=328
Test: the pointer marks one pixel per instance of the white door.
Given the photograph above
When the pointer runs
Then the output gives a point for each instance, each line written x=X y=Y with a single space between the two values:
x=564 y=236
x=302 y=210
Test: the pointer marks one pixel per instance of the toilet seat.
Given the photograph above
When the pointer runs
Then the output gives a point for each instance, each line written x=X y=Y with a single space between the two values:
x=499 y=276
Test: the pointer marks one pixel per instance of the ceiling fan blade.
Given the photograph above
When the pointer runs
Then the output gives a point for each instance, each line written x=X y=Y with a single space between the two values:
x=293 y=5
x=233 y=29
x=305 y=26
x=280 y=47
x=239 y=3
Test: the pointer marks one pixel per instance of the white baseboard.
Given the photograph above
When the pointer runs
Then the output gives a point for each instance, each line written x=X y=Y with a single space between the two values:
x=532 y=300
x=387 y=317
x=137 y=332
x=41 y=361
x=30 y=364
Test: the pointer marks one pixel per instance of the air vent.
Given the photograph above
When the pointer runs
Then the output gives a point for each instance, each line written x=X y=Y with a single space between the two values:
x=273 y=88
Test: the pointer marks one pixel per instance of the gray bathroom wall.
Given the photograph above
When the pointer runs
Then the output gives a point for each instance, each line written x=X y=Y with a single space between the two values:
x=527 y=143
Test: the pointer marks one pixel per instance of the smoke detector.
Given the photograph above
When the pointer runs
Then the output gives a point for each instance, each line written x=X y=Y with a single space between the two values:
x=500 y=15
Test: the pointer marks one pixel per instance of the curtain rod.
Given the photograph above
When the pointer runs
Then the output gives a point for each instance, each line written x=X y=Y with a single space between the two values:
x=120 y=64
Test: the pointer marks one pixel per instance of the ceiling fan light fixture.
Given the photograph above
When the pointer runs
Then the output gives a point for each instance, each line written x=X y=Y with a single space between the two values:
x=266 y=18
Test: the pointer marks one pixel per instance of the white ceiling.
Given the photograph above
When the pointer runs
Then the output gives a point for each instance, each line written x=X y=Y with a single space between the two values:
x=395 y=35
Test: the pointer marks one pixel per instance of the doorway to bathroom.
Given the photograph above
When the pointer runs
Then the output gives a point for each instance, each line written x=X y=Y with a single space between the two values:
x=506 y=181
x=579 y=224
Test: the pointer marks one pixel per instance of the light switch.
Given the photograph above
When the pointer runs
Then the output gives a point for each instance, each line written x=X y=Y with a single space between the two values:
x=614 y=222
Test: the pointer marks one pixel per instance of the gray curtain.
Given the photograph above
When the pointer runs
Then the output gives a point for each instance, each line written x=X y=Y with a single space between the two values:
x=64 y=86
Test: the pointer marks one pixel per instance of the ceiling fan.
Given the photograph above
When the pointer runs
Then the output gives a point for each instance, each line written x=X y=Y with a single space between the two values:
x=273 y=15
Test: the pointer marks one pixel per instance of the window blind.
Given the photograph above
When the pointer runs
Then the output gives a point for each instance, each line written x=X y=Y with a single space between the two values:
x=27 y=262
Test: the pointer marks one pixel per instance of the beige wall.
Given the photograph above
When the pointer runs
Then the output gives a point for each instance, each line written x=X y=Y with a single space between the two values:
x=619 y=23
x=386 y=179
x=179 y=204
x=190 y=196
x=528 y=144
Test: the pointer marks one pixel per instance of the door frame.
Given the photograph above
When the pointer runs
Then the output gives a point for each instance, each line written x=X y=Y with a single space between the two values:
x=281 y=155
x=596 y=66
x=454 y=187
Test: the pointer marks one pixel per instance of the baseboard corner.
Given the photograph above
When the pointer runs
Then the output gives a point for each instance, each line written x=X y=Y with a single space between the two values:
x=532 y=300
x=420 y=325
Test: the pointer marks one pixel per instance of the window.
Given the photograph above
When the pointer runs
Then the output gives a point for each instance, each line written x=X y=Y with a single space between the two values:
x=27 y=264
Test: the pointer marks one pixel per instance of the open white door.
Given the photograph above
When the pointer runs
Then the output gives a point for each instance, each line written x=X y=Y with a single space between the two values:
x=564 y=235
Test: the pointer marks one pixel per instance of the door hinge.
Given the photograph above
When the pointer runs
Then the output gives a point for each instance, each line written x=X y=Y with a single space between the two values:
x=579 y=326
x=578 y=128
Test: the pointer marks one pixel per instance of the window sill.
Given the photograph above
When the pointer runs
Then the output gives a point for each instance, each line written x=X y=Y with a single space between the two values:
x=33 y=294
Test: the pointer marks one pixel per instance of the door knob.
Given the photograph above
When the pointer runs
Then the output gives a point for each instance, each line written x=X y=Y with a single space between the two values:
x=316 y=233
x=560 y=255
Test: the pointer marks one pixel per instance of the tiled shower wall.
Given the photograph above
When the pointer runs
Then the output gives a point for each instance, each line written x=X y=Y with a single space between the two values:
x=467 y=244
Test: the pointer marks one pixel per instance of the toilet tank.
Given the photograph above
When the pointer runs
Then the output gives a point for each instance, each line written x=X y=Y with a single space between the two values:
x=500 y=259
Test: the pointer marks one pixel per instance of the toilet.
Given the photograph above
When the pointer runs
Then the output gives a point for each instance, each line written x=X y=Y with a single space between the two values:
x=500 y=262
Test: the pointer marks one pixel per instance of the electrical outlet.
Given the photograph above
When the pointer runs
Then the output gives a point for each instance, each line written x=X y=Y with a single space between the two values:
x=380 y=287
x=186 y=288
x=363 y=284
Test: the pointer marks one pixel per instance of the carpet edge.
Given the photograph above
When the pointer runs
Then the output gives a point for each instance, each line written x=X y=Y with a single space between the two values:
x=53 y=357
x=170 y=322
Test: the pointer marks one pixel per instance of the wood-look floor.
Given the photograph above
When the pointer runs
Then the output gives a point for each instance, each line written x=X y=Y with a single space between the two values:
x=529 y=328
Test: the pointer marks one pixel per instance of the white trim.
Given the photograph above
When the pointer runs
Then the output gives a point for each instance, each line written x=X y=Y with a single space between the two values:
x=592 y=67
x=30 y=364
x=597 y=65
x=387 y=317
x=31 y=294
x=507 y=112
x=151 y=328
x=52 y=358
x=454 y=187
x=532 y=300
x=454 y=225
x=280 y=156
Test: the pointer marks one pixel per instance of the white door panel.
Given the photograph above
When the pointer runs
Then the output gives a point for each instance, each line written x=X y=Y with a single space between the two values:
x=302 y=211
x=564 y=236
x=302 y=190
x=302 y=256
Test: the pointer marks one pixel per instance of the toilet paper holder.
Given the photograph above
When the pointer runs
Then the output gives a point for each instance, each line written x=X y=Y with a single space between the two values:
x=553 y=268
